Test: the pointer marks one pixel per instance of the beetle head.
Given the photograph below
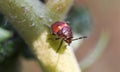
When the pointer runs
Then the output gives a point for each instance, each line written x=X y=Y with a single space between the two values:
x=68 y=40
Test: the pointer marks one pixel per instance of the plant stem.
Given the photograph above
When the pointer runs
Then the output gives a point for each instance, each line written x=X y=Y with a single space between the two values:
x=29 y=18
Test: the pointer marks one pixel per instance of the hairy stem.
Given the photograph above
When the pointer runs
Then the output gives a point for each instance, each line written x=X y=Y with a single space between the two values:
x=29 y=18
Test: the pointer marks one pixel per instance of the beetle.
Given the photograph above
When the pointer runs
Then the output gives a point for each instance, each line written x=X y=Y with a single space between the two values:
x=63 y=31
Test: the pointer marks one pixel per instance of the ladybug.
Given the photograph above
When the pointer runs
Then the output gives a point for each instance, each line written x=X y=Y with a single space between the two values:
x=63 y=31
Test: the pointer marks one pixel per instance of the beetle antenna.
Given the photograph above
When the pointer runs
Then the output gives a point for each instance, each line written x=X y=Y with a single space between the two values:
x=79 y=38
x=60 y=45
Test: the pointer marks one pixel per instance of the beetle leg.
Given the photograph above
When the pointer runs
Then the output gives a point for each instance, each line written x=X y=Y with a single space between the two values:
x=56 y=38
x=79 y=38
x=60 y=45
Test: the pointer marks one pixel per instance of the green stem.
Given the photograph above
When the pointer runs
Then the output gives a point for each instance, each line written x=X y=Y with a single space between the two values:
x=58 y=8
x=29 y=17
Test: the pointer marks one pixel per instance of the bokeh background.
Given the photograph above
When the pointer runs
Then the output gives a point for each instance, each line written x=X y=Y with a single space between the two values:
x=97 y=19
x=105 y=17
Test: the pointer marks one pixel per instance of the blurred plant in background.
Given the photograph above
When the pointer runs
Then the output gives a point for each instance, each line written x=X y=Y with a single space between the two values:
x=79 y=20
x=6 y=45
x=11 y=46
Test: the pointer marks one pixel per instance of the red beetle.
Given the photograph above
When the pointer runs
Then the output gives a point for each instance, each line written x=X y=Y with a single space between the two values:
x=62 y=30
